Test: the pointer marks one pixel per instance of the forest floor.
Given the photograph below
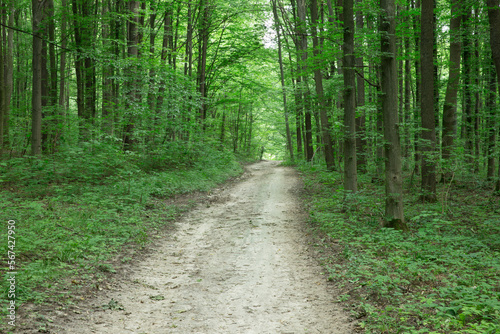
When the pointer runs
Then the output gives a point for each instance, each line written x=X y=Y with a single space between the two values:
x=240 y=262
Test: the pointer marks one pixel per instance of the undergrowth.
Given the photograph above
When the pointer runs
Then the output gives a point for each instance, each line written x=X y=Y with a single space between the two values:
x=77 y=209
x=443 y=276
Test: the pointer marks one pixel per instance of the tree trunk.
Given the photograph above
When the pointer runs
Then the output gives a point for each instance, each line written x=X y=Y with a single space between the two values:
x=318 y=78
x=450 y=101
x=302 y=32
x=350 y=169
x=152 y=72
x=407 y=98
x=132 y=51
x=467 y=118
x=427 y=104
x=361 y=145
x=418 y=87
x=282 y=78
x=491 y=121
x=494 y=19
x=394 y=216
x=202 y=60
x=9 y=79
x=38 y=8
x=188 y=60
x=107 y=71
x=62 y=61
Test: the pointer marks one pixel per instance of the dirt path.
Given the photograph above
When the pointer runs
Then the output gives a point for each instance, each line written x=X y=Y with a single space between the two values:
x=240 y=265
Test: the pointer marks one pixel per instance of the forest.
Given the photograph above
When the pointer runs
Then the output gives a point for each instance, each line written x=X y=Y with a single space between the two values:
x=389 y=110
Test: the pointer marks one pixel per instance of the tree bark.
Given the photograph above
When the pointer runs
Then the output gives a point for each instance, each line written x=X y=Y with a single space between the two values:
x=8 y=78
x=427 y=104
x=302 y=32
x=62 y=60
x=394 y=216
x=107 y=70
x=494 y=20
x=282 y=79
x=450 y=102
x=467 y=118
x=38 y=8
x=318 y=78
x=418 y=87
x=350 y=169
x=491 y=122
x=361 y=145
x=132 y=51
x=202 y=60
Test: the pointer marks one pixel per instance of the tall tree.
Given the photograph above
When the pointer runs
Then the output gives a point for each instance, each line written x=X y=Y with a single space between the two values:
x=132 y=88
x=450 y=102
x=494 y=20
x=361 y=144
x=350 y=168
x=38 y=9
x=427 y=104
x=318 y=79
x=394 y=216
x=282 y=79
x=302 y=30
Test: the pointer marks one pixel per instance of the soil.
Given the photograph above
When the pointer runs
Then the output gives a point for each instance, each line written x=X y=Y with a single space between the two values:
x=237 y=263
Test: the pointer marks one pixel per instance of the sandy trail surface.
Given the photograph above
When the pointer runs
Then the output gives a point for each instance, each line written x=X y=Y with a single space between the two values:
x=236 y=264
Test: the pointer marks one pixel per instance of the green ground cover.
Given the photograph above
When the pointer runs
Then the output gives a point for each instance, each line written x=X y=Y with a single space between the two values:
x=443 y=276
x=76 y=210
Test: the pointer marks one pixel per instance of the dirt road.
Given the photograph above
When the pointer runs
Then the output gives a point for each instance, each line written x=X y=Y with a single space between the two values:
x=239 y=264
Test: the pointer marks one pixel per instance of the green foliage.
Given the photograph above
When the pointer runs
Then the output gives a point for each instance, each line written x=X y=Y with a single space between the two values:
x=441 y=277
x=77 y=209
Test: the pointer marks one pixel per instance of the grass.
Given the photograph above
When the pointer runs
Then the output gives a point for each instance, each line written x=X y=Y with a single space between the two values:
x=443 y=276
x=77 y=210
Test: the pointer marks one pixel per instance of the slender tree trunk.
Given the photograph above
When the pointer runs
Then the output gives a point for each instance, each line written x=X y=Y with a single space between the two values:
x=350 y=169
x=62 y=60
x=494 y=20
x=38 y=8
x=302 y=32
x=202 y=63
x=418 y=88
x=394 y=216
x=9 y=78
x=165 y=51
x=79 y=71
x=467 y=89
x=318 y=78
x=450 y=102
x=107 y=71
x=132 y=51
x=188 y=59
x=152 y=72
x=491 y=121
x=427 y=105
x=407 y=98
x=361 y=145
x=282 y=78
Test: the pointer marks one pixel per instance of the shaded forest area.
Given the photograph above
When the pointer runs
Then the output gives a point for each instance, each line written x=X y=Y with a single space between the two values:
x=389 y=108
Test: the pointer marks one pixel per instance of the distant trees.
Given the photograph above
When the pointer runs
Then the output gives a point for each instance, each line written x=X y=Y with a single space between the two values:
x=144 y=74
x=412 y=84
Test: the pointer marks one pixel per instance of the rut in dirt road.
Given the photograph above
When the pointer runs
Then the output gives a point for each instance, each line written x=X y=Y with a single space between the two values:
x=240 y=265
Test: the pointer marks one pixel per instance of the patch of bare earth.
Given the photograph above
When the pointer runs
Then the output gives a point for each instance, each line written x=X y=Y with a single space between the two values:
x=237 y=264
